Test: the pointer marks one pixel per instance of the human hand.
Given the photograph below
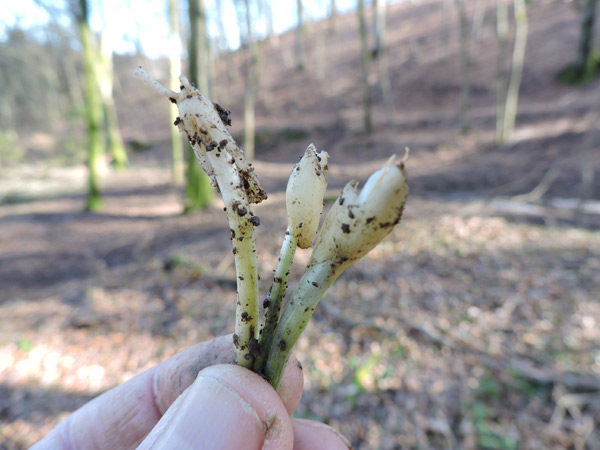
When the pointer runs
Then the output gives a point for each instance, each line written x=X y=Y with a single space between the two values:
x=195 y=401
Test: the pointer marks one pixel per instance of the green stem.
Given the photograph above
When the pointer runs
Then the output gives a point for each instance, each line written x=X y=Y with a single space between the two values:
x=205 y=125
x=274 y=299
x=297 y=312
x=246 y=268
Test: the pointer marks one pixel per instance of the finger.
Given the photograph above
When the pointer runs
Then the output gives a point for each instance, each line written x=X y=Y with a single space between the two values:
x=122 y=417
x=311 y=435
x=177 y=373
x=227 y=407
x=292 y=383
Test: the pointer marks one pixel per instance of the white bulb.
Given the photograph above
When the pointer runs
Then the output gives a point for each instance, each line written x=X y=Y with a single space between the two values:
x=358 y=221
x=304 y=195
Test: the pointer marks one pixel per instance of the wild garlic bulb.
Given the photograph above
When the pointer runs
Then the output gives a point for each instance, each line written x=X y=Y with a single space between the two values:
x=304 y=196
x=358 y=221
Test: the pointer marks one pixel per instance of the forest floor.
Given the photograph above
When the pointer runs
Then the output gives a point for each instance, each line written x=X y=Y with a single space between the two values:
x=475 y=324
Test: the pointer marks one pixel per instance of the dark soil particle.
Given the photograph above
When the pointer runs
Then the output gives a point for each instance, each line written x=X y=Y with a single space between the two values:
x=282 y=345
x=253 y=346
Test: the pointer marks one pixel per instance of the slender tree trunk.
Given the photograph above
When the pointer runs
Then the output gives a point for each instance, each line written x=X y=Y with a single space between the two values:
x=320 y=50
x=268 y=11
x=477 y=25
x=227 y=54
x=174 y=72
x=582 y=63
x=365 y=63
x=465 y=90
x=379 y=26
x=199 y=193
x=380 y=51
x=200 y=71
x=251 y=87
x=104 y=72
x=446 y=5
x=501 y=75
x=298 y=46
x=518 y=59
x=333 y=13
x=588 y=152
x=93 y=109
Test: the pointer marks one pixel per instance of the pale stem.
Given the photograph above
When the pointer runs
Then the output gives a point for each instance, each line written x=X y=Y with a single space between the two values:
x=275 y=297
x=246 y=317
x=203 y=122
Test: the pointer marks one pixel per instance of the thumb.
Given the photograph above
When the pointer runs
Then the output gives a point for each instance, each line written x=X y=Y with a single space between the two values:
x=226 y=407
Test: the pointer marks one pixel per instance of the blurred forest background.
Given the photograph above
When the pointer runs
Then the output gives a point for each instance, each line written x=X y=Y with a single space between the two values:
x=475 y=325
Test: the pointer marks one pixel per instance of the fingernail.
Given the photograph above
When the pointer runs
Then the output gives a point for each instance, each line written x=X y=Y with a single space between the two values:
x=309 y=434
x=226 y=407
x=209 y=414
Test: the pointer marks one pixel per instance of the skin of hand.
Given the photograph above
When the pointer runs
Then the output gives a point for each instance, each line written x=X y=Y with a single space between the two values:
x=197 y=399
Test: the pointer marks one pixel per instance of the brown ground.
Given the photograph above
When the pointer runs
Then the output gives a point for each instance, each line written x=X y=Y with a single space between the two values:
x=475 y=325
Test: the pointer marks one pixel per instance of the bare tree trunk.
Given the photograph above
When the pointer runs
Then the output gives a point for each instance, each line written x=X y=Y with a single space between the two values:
x=365 y=63
x=465 y=90
x=379 y=26
x=268 y=12
x=104 y=72
x=201 y=71
x=320 y=50
x=582 y=63
x=251 y=87
x=501 y=75
x=588 y=152
x=199 y=193
x=518 y=59
x=177 y=165
x=446 y=28
x=298 y=46
x=380 y=52
x=93 y=108
x=477 y=25
x=227 y=54
x=333 y=13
